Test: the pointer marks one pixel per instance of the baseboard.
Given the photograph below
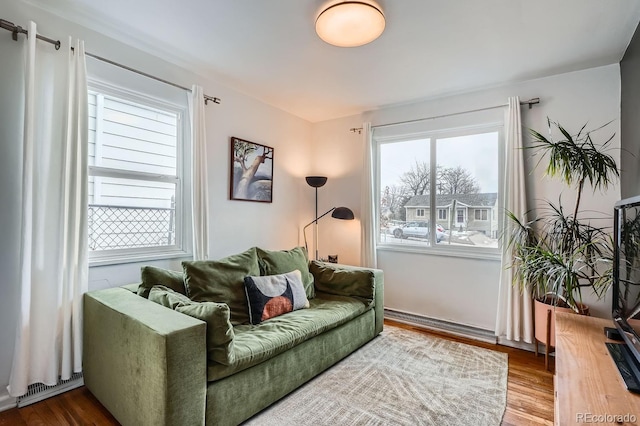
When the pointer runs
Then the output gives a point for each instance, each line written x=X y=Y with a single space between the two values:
x=38 y=392
x=7 y=401
x=514 y=344
x=434 y=324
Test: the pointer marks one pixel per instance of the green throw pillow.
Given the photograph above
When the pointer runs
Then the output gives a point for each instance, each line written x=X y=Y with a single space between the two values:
x=283 y=261
x=222 y=281
x=219 y=329
x=344 y=281
x=152 y=275
x=167 y=297
x=216 y=315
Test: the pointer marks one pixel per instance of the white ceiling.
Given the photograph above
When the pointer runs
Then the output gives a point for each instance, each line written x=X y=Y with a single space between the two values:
x=269 y=50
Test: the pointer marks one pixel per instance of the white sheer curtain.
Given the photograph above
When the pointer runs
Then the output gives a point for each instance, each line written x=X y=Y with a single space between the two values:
x=514 y=320
x=53 y=264
x=199 y=194
x=368 y=255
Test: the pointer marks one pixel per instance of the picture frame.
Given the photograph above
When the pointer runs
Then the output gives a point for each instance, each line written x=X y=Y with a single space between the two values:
x=251 y=171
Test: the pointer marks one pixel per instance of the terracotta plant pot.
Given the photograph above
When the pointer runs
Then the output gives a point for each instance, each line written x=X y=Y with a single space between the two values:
x=541 y=310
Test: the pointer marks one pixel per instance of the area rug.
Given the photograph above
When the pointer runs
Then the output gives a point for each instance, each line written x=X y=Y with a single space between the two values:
x=401 y=378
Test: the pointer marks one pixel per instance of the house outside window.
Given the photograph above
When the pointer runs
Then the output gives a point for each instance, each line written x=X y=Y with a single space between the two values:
x=455 y=169
x=136 y=185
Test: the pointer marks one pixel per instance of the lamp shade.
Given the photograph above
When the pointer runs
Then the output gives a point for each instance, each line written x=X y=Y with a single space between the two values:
x=316 y=181
x=350 y=23
x=344 y=213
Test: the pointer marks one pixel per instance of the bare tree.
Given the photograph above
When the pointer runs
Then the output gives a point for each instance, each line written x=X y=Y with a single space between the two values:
x=392 y=201
x=457 y=180
x=416 y=180
x=241 y=153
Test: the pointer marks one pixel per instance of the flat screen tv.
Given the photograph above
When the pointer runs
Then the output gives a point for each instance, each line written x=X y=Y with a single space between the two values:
x=626 y=290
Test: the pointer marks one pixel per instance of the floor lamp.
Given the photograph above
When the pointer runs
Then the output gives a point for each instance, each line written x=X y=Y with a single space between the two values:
x=343 y=213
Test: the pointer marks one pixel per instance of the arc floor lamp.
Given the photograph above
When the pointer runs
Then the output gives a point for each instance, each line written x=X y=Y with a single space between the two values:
x=343 y=213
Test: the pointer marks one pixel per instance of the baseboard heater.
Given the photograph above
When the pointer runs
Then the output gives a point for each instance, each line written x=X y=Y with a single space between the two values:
x=39 y=391
x=461 y=330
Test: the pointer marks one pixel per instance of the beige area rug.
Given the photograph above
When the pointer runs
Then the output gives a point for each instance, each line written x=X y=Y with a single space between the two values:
x=401 y=378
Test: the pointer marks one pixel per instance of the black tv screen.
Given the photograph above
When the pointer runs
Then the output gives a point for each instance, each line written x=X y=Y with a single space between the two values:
x=626 y=289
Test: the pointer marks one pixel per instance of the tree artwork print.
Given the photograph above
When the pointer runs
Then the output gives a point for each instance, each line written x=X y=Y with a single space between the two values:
x=251 y=171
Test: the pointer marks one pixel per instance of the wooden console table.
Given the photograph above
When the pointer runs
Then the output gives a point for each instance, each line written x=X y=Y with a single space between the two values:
x=588 y=386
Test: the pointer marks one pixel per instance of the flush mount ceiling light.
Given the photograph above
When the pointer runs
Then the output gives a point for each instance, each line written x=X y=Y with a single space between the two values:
x=350 y=23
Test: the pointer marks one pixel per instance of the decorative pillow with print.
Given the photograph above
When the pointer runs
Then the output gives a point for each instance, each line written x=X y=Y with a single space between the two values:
x=273 y=295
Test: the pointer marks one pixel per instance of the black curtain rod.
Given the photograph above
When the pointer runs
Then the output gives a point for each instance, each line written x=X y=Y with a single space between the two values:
x=15 y=30
x=531 y=102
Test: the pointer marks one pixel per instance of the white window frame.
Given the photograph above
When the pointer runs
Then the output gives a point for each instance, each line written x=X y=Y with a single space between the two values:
x=182 y=246
x=433 y=136
x=443 y=216
x=419 y=212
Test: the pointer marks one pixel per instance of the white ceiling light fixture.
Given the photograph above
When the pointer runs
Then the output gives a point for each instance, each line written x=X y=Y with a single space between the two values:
x=350 y=23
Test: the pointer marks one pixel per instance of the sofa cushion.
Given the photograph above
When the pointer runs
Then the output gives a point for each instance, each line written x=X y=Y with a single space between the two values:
x=344 y=281
x=222 y=281
x=152 y=275
x=283 y=261
x=274 y=295
x=215 y=315
x=167 y=297
x=133 y=288
x=219 y=329
x=254 y=344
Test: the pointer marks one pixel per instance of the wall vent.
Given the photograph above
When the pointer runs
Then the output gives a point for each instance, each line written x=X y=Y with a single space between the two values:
x=461 y=330
x=39 y=391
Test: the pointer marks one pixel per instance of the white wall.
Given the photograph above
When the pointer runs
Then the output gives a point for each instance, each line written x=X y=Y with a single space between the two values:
x=235 y=225
x=457 y=289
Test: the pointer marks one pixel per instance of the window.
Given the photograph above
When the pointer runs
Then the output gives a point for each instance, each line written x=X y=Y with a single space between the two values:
x=457 y=169
x=481 y=214
x=135 y=176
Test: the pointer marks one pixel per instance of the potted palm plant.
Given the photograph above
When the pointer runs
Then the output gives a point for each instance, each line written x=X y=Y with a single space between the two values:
x=560 y=253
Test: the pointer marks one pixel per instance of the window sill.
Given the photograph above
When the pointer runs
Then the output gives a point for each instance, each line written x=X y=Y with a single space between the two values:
x=120 y=258
x=460 y=252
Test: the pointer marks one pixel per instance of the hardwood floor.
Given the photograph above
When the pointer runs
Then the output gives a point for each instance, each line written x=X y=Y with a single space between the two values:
x=529 y=395
x=76 y=407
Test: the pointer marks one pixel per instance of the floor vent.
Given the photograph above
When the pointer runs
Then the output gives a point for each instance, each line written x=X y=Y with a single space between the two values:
x=441 y=325
x=38 y=391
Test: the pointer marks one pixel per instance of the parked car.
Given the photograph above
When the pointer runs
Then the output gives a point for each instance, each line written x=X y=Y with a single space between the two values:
x=418 y=230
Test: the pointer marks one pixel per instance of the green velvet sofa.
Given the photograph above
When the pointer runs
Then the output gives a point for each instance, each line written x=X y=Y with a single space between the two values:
x=148 y=364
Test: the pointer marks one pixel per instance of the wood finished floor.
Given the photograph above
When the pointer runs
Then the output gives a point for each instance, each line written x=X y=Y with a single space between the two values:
x=529 y=395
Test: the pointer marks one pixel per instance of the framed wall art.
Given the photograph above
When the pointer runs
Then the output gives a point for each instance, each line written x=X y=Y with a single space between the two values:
x=251 y=177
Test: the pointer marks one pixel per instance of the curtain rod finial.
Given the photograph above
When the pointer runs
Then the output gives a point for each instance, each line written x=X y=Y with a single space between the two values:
x=212 y=99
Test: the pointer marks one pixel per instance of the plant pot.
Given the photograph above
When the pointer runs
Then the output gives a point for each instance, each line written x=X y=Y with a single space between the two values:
x=541 y=313
x=545 y=324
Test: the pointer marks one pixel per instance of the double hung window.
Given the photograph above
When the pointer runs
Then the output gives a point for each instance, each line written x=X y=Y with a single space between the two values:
x=136 y=176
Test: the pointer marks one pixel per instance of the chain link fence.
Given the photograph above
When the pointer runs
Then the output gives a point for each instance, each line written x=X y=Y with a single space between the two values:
x=118 y=227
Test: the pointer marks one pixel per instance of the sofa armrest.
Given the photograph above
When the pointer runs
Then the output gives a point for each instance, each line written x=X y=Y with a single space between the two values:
x=145 y=363
x=344 y=280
